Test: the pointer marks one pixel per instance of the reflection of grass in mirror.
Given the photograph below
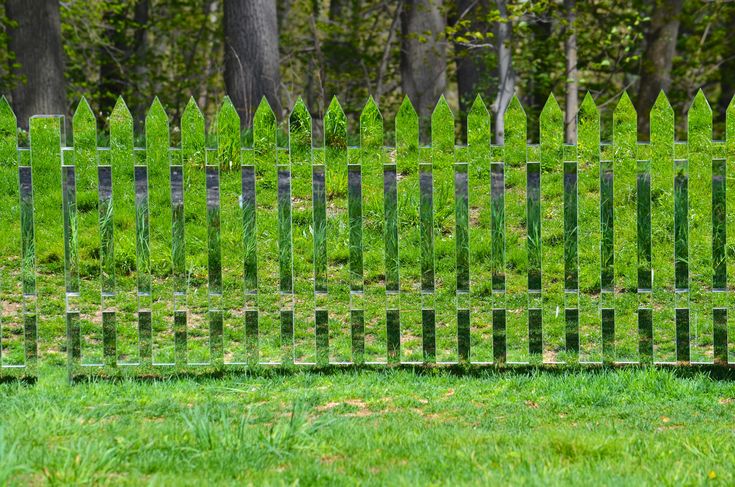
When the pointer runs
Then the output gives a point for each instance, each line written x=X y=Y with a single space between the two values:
x=354 y=203
x=143 y=245
x=534 y=226
x=28 y=271
x=571 y=228
x=285 y=249
x=497 y=216
x=107 y=244
x=607 y=256
x=681 y=226
x=426 y=212
x=719 y=229
x=391 y=229
x=644 y=225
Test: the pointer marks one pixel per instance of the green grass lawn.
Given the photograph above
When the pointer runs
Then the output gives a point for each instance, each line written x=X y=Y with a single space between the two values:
x=603 y=427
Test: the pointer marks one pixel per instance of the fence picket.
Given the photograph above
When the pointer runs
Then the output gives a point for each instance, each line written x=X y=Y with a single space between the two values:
x=160 y=297
x=624 y=216
x=480 y=242
x=338 y=275
x=263 y=327
x=45 y=159
x=662 y=222
x=195 y=302
x=121 y=300
x=371 y=163
x=730 y=226
x=445 y=287
x=699 y=137
x=12 y=348
x=516 y=254
x=546 y=226
x=588 y=145
x=303 y=234
x=226 y=300
x=79 y=184
x=407 y=165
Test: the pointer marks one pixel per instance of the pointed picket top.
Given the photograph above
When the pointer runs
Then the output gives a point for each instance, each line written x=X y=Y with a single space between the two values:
x=264 y=135
x=625 y=131
x=730 y=130
x=551 y=134
x=121 y=134
x=193 y=139
x=588 y=131
x=478 y=130
x=407 y=137
x=299 y=134
x=156 y=134
x=84 y=125
x=699 y=130
x=228 y=136
x=335 y=134
x=516 y=133
x=371 y=133
x=662 y=132
x=442 y=135
x=8 y=135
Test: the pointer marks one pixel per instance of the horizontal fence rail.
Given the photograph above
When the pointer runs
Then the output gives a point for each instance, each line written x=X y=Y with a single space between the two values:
x=215 y=254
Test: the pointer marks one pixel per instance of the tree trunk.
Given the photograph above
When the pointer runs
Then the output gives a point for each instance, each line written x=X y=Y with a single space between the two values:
x=471 y=61
x=727 y=70
x=657 y=58
x=506 y=76
x=570 y=46
x=251 y=55
x=120 y=56
x=36 y=42
x=423 y=56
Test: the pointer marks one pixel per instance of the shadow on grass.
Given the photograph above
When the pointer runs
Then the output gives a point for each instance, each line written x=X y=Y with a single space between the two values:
x=168 y=373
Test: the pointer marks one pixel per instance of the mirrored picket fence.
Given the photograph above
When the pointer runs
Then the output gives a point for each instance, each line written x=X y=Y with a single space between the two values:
x=216 y=254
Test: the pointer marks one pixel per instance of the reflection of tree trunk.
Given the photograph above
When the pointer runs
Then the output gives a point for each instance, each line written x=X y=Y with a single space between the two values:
x=36 y=42
x=423 y=55
x=658 y=57
x=251 y=55
x=570 y=46
x=471 y=61
x=506 y=76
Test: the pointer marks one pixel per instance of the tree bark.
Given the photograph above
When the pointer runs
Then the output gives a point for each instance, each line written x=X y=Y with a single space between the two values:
x=423 y=55
x=657 y=58
x=570 y=46
x=120 y=56
x=506 y=75
x=251 y=55
x=471 y=61
x=727 y=70
x=36 y=41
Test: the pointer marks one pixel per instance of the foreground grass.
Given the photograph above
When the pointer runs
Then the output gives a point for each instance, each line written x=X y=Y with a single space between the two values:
x=581 y=427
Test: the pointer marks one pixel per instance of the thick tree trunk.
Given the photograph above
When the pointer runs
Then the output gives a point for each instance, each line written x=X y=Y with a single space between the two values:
x=423 y=55
x=251 y=55
x=506 y=76
x=658 y=57
x=570 y=46
x=36 y=41
x=471 y=61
